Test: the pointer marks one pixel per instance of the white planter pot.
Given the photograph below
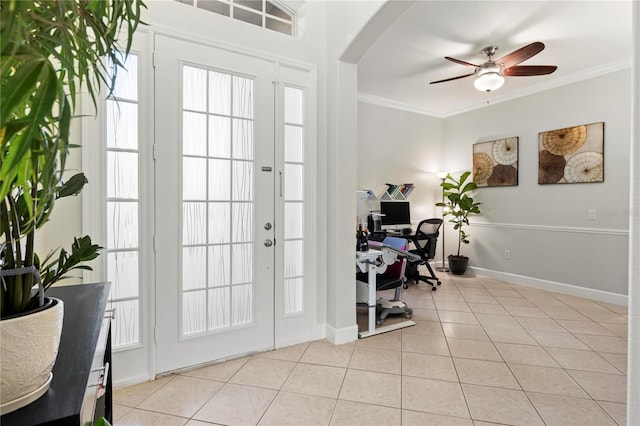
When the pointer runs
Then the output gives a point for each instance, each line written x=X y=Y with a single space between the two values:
x=27 y=354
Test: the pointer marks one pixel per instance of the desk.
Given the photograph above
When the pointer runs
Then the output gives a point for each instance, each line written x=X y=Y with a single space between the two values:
x=369 y=258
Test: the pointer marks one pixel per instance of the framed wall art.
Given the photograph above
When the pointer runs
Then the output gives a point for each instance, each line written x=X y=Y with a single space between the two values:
x=571 y=155
x=495 y=163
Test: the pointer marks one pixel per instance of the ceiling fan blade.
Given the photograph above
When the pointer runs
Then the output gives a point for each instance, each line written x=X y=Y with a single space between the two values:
x=458 y=61
x=521 y=55
x=528 y=70
x=452 y=78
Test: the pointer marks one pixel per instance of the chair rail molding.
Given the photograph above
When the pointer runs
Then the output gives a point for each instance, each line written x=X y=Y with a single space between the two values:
x=550 y=228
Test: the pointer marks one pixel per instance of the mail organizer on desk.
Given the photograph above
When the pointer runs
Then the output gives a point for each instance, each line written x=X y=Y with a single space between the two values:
x=371 y=265
x=80 y=391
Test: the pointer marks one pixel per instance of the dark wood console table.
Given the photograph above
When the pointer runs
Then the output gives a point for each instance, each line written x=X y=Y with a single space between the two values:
x=81 y=389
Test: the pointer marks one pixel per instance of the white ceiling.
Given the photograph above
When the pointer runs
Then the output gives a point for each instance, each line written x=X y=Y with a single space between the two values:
x=583 y=38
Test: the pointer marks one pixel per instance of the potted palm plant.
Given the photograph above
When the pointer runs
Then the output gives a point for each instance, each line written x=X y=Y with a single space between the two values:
x=459 y=205
x=49 y=51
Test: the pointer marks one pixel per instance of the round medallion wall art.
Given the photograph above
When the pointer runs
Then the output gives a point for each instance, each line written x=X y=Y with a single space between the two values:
x=495 y=163
x=571 y=155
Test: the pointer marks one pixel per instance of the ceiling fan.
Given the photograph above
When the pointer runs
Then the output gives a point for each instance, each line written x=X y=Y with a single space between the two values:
x=491 y=73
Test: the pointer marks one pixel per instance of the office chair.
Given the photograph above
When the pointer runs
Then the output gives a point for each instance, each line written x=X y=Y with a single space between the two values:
x=424 y=241
x=391 y=275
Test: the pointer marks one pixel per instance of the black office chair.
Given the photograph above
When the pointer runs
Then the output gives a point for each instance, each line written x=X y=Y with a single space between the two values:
x=424 y=241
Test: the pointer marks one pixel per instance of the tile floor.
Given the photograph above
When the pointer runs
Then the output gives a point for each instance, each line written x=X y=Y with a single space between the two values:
x=482 y=352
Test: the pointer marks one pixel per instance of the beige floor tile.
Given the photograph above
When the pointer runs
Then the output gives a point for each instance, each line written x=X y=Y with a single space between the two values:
x=289 y=353
x=138 y=417
x=556 y=339
x=375 y=359
x=575 y=359
x=328 y=354
x=131 y=396
x=391 y=340
x=460 y=306
x=417 y=418
x=198 y=423
x=610 y=317
x=620 y=330
x=433 y=396
x=486 y=373
x=549 y=380
x=318 y=380
x=509 y=335
x=295 y=409
x=601 y=386
x=464 y=331
x=119 y=411
x=565 y=411
x=425 y=344
x=183 y=396
x=617 y=360
x=474 y=349
x=503 y=292
x=419 y=298
x=263 y=372
x=458 y=317
x=349 y=413
x=513 y=301
x=618 y=412
x=525 y=354
x=427 y=328
x=546 y=324
x=585 y=327
x=236 y=405
x=428 y=366
x=526 y=311
x=371 y=388
x=611 y=344
x=474 y=291
x=562 y=313
x=488 y=308
x=501 y=321
x=221 y=372
x=487 y=300
x=421 y=314
x=504 y=406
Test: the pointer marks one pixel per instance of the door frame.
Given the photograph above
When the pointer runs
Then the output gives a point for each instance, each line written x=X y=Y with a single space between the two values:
x=136 y=365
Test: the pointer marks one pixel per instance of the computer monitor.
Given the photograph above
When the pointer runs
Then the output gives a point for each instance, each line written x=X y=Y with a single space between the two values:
x=396 y=215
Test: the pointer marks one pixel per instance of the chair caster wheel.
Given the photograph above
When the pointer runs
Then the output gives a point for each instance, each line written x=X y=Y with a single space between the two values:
x=405 y=286
x=439 y=282
x=433 y=288
x=408 y=316
x=378 y=322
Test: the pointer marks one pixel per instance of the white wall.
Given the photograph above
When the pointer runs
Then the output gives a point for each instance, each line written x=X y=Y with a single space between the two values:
x=401 y=147
x=546 y=226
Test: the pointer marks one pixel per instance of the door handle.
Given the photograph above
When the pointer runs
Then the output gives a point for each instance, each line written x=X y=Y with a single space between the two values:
x=268 y=243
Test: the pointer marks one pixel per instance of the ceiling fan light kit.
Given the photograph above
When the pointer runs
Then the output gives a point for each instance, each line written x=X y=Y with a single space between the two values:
x=489 y=81
x=490 y=75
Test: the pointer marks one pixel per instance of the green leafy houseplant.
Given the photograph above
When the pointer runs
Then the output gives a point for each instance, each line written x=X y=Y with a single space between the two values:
x=49 y=51
x=459 y=205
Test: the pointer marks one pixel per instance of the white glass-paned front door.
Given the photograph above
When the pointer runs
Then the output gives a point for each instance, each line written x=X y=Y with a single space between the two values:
x=215 y=179
x=217 y=199
x=122 y=248
x=293 y=290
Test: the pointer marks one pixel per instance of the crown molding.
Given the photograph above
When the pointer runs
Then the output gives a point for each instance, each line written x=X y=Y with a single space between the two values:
x=576 y=77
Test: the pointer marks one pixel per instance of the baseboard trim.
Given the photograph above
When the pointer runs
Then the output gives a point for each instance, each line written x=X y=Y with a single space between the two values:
x=548 y=228
x=338 y=336
x=130 y=381
x=573 y=290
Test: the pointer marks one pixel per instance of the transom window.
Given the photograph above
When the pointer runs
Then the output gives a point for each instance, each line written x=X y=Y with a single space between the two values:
x=263 y=13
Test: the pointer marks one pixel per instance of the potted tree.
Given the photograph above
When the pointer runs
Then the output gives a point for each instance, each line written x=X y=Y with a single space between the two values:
x=459 y=205
x=49 y=51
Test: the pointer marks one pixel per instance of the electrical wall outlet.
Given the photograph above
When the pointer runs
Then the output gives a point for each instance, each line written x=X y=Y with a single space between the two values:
x=507 y=254
x=592 y=214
